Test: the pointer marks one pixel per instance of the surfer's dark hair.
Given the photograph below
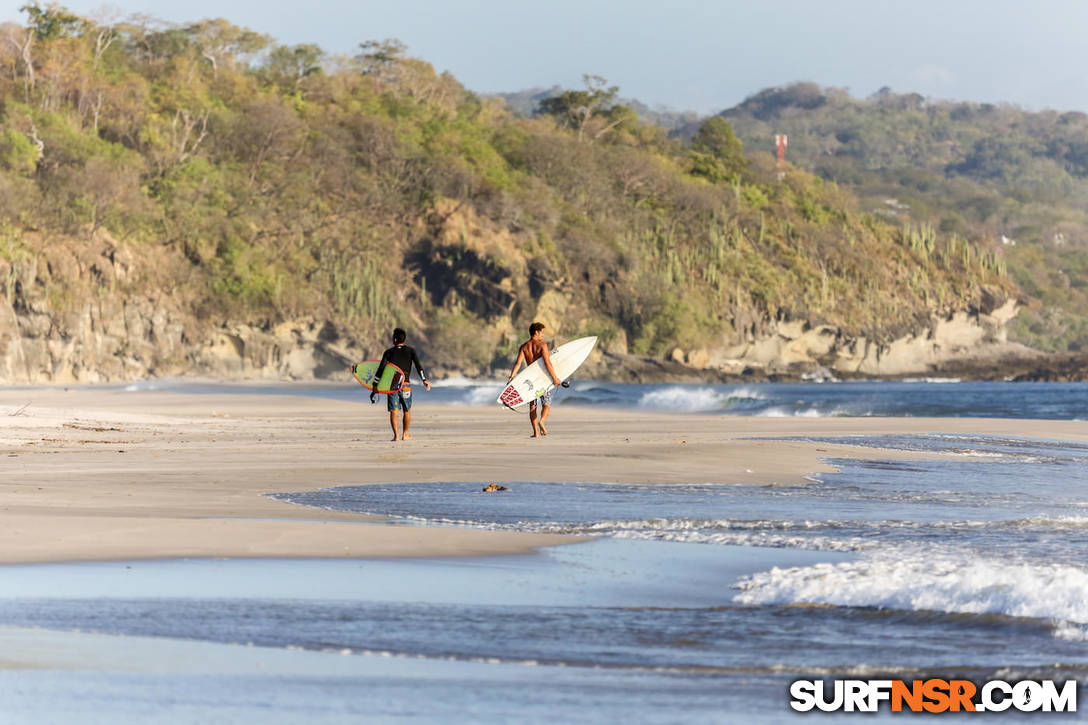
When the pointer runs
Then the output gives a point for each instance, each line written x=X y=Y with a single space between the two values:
x=399 y=336
x=534 y=327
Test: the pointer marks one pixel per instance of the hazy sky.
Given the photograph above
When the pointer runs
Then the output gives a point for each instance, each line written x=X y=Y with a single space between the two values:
x=692 y=54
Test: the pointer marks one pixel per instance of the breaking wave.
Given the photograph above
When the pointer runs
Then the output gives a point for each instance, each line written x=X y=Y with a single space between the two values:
x=694 y=400
x=933 y=582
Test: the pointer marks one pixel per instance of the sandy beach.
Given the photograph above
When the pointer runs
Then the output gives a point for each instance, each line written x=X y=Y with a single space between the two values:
x=110 y=475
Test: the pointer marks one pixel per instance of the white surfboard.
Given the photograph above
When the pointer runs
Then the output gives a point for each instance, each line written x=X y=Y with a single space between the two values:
x=534 y=381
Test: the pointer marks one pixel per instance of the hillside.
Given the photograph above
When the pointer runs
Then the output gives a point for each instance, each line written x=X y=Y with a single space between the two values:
x=197 y=198
x=991 y=172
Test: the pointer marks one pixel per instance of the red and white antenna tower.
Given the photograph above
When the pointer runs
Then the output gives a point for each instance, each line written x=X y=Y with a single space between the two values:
x=780 y=142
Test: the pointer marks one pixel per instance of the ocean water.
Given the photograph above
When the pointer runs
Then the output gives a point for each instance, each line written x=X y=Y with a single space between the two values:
x=977 y=563
x=697 y=602
x=692 y=603
x=925 y=397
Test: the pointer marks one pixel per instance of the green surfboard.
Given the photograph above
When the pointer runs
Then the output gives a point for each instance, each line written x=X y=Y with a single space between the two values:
x=392 y=377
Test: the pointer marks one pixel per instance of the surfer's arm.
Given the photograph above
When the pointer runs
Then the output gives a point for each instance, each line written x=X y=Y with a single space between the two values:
x=381 y=368
x=548 y=364
x=517 y=363
x=419 y=369
x=378 y=374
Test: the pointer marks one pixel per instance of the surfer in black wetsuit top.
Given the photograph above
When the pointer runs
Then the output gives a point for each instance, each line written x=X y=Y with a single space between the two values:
x=404 y=358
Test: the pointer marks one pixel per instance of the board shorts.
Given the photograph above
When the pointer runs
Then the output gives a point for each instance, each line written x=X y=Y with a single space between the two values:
x=545 y=399
x=401 y=400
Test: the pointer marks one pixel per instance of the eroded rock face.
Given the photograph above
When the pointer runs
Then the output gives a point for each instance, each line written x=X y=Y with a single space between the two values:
x=83 y=313
x=792 y=344
x=138 y=340
x=292 y=351
x=67 y=316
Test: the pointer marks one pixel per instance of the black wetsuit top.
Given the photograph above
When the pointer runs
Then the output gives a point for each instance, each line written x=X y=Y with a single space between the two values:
x=403 y=357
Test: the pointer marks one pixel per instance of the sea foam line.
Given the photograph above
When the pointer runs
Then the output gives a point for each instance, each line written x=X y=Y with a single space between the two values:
x=944 y=583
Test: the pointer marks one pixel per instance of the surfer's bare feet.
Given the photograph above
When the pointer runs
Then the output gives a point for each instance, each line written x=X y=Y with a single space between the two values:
x=406 y=437
x=543 y=430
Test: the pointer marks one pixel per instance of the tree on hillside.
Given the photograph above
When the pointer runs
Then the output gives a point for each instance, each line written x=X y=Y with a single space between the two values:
x=21 y=42
x=52 y=22
x=379 y=54
x=380 y=59
x=220 y=41
x=591 y=113
x=717 y=152
x=295 y=62
x=393 y=72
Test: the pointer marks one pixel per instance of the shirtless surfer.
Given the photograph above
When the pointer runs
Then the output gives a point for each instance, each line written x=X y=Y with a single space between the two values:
x=532 y=350
x=404 y=358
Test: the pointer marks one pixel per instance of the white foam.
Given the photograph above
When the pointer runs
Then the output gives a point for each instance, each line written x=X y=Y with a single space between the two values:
x=1055 y=521
x=782 y=412
x=812 y=412
x=479 y=396
x=665 y=524
x=930 y=581
x=460 y=381
x=693 y=400
x=820 y=376
x=762 y=539
x=1071 y=632
x=142 y=386
x=746 y=393
x=688 y=400
x=727 y=532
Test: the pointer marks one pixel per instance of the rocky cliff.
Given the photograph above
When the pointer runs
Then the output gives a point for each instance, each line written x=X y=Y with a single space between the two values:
x=83 y=313
x=969 y=343
x=90 y=312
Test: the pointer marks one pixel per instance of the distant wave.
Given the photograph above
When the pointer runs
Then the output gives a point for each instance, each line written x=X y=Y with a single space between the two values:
x=683 y=399
x=693 y=400
x=782 y=411
x=1071 y=523
x=933 y=581
x=142 y=386
x=460 y=381
x=746 y=393
x=480 y=396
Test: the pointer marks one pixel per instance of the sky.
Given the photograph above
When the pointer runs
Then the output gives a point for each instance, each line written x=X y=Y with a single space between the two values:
x=699 y=55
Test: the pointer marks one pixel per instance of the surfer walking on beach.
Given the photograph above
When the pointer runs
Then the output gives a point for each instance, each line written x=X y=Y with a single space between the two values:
x=530 y=351
x=403 y=357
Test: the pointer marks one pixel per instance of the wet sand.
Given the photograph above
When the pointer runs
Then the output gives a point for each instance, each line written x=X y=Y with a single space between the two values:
x=108 y=475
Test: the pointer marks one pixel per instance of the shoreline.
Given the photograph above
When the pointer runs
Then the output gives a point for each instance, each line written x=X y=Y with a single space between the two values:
x=95 y=475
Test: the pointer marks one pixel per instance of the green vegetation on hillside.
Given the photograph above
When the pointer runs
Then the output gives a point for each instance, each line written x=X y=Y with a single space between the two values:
x=527 y=103
x=1015 y=178
x=371 y=190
